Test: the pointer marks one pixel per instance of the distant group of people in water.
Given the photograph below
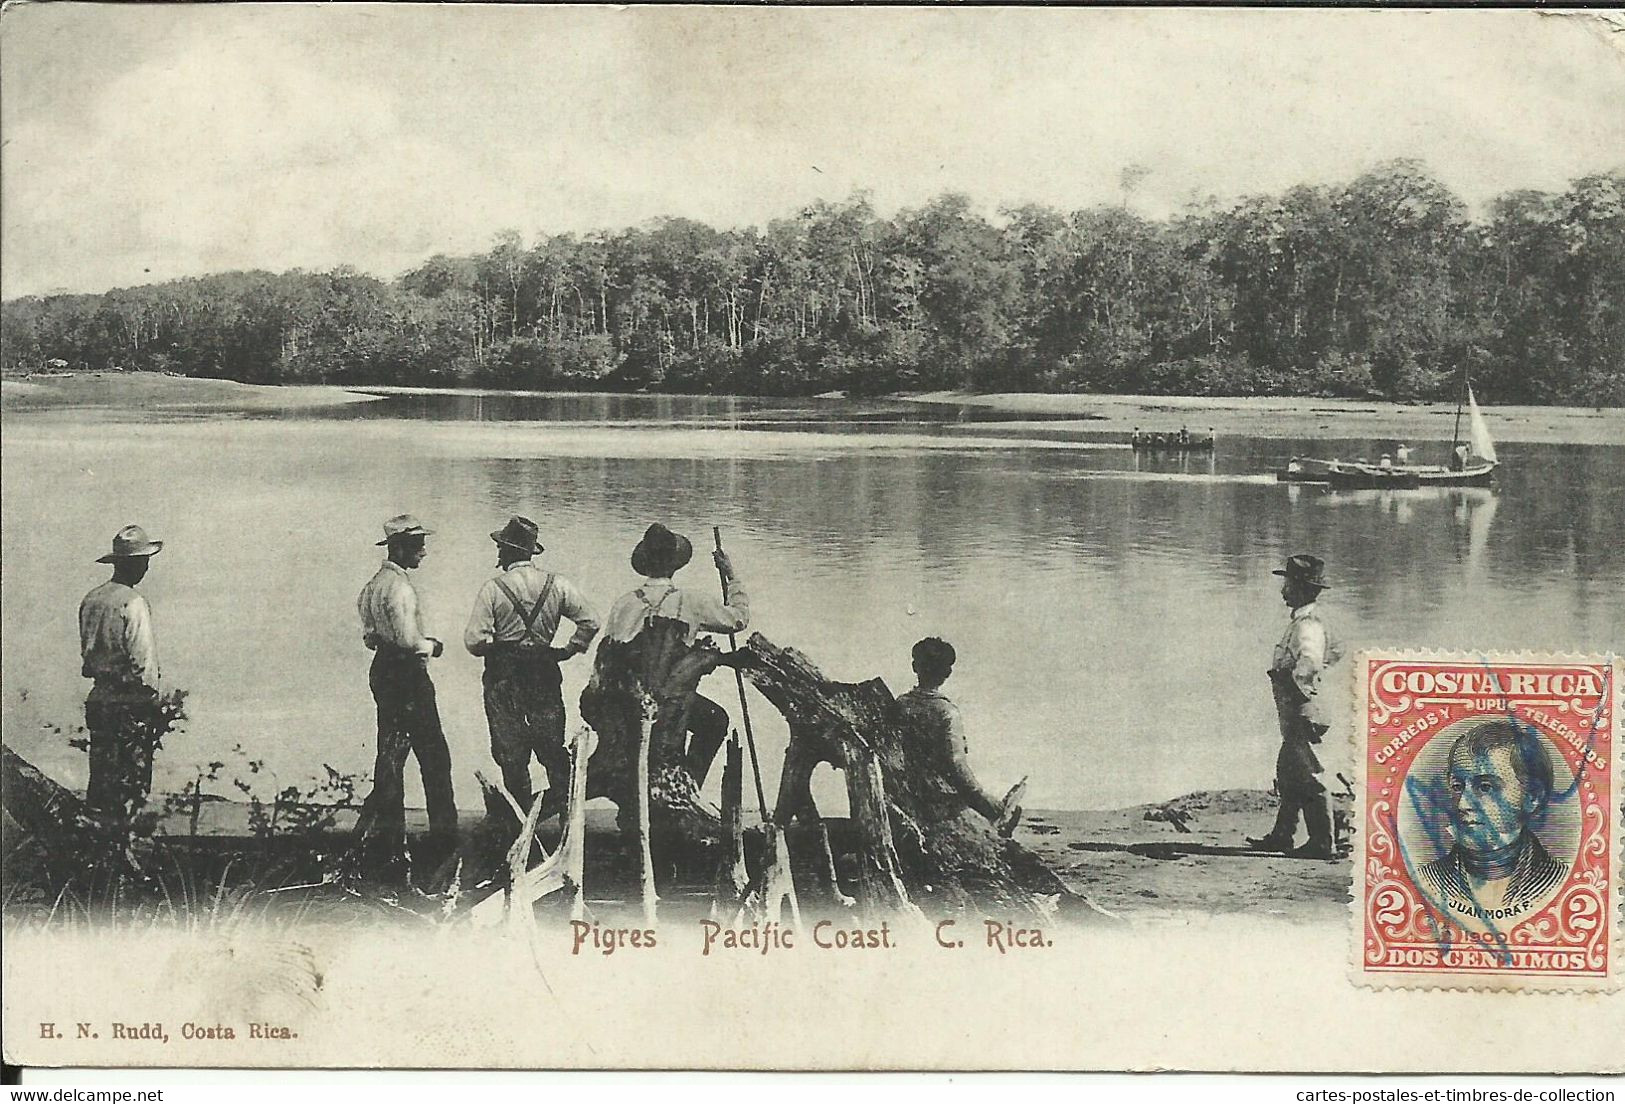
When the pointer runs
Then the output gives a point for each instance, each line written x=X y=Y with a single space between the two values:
x=1181 y=440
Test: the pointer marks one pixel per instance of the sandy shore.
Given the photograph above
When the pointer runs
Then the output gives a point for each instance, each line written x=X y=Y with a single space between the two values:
x=1134 y=867
x=154 y=391
x=1295 y=417
x=1148 y=869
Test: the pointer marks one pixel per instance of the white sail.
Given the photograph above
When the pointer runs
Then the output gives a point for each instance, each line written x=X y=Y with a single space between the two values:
x=1479 y=433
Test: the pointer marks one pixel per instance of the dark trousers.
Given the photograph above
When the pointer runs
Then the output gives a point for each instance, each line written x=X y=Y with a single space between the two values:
x=123 y=725
x=524 y=710
x=1297 y=781
x=408 y=723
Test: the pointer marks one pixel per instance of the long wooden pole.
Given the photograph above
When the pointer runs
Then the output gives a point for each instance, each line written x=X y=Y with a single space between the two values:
x=739 y=680
x=646 y=865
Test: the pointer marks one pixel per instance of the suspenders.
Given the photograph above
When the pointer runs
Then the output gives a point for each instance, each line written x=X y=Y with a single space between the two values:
x=527 y=617
x=651 y=610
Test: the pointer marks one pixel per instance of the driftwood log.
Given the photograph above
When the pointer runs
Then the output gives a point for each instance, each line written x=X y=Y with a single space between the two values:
x=49 y=826
x=909 y=851
x=683 y=832
x=902 y=850
x=563 y=870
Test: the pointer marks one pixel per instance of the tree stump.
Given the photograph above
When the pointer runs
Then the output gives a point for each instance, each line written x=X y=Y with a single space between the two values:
x=684 y=833
x=910 y=852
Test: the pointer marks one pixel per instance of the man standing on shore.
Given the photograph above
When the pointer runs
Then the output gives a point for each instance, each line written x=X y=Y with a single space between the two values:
x=515 y=616
x=1296 y=680
x=408 y=716
x=123 y=713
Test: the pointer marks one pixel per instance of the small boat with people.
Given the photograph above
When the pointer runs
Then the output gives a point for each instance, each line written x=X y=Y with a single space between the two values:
x=1472 y=462
x=1171 y=442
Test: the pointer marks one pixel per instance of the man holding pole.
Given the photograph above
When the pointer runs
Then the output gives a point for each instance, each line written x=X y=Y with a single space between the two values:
x=667 y=619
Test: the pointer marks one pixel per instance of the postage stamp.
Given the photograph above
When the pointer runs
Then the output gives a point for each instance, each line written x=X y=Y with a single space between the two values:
x=1489 y=812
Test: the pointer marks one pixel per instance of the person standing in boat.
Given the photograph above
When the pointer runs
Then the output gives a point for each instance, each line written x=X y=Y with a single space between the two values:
x=1296 y=675
x=1402 y=454
x=515 y=616
x=1458 y=459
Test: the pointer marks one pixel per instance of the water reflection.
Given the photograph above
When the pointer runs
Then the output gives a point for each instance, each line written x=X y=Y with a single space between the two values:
x=1113 y=611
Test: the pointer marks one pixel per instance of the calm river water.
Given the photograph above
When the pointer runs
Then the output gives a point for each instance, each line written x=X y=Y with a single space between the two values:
x=1113 y=616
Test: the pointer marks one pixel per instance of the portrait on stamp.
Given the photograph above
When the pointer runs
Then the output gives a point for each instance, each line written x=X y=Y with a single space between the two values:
x=1496 y=797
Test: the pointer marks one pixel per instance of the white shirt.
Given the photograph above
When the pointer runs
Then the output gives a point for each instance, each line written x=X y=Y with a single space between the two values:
x=495 y=620
x=115 y=636
x=390 y=614
x=1306 y=650
x=699 y=611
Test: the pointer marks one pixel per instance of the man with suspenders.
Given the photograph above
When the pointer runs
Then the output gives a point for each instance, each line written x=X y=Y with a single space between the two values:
x=515 y=616
x=665 y=620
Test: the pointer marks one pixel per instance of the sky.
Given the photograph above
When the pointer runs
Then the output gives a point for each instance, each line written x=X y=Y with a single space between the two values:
x=147 y=142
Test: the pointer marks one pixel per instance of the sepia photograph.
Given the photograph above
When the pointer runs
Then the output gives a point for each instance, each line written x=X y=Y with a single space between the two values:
x=812 y=538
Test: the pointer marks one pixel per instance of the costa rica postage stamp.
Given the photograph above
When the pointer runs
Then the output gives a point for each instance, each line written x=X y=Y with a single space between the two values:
x=1489 y=817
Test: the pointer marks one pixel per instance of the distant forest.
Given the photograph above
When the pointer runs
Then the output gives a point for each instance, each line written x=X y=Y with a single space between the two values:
x=1381 y=287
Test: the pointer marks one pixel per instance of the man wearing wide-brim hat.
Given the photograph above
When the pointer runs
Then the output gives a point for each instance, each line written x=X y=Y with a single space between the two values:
x=516 y=615
x=408 y=714
x=677 y=615
x=1296 y=675
x=118 y=653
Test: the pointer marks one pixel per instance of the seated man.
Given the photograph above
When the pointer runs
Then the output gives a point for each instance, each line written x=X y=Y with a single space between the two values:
x=1499 y=784
x=651 y=628
x=926 y=710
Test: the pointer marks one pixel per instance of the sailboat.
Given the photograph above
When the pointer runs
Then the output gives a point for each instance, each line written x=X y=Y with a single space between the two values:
x=1473 y=466
x=1472 y=463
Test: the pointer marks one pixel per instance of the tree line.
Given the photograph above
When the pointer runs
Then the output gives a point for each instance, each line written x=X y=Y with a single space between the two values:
x=1380 y=287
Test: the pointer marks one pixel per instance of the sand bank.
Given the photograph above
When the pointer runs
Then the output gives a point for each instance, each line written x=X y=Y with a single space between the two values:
x=152 y=390
x=1297 y=417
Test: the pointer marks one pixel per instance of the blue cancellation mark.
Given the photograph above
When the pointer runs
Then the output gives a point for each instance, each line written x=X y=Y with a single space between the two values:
x=1483 y=817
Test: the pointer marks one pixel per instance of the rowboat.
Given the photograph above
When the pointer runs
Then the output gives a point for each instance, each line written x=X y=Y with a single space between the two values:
x=1172 y=446
x=1305 y=469
x=1352 y=475
x=1170 y=442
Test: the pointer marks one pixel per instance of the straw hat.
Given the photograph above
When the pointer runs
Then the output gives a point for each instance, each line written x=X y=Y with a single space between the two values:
x=403 y=525
x=130 y=543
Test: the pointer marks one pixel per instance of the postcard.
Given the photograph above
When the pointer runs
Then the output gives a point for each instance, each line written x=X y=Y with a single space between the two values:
x=812 y=538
